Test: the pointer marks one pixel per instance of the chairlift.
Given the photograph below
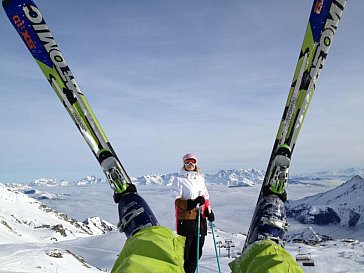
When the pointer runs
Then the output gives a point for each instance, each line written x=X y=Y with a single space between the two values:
x=308 y=263
x=304 y=258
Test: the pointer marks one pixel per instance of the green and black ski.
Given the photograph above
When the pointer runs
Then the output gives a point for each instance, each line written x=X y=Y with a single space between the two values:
x=323 y=22
x=30 y=25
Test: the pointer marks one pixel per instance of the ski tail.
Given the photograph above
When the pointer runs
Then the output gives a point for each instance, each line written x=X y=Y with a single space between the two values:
x=33 y=30
x=322 y=25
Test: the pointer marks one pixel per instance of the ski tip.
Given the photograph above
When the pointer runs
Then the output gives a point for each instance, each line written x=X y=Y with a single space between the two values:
x=6 y=3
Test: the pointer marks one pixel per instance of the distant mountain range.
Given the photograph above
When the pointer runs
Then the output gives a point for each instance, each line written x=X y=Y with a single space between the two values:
x=89 y=180
x=233 y=178
x=236 y=178
x=343 y=174
x=342 y=205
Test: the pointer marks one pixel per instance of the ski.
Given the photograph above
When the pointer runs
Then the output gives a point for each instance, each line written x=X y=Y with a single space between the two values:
x=323 y=22
x=28 y=21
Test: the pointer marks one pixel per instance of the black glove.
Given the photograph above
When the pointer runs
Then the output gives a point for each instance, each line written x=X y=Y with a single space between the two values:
x=209 y=215
x=191 y=204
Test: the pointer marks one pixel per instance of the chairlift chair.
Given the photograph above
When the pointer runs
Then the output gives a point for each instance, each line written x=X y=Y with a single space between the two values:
x=305 y=258
x=308 y=263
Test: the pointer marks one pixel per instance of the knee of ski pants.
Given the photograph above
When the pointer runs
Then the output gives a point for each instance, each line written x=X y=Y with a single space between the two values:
x=265 y=256
x=190 y=254
x=153 y=249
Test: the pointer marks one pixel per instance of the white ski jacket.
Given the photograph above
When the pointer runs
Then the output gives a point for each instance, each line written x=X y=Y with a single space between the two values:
x=189 y=185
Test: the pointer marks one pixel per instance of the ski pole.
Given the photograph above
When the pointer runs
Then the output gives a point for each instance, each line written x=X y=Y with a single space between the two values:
x=213 y=237
x=198 y=234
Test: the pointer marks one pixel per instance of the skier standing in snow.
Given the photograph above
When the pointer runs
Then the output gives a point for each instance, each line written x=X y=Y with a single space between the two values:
x=190 y=191
x=151 y=248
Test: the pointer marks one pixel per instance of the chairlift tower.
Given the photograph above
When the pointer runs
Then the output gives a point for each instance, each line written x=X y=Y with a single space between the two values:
x=229 y=244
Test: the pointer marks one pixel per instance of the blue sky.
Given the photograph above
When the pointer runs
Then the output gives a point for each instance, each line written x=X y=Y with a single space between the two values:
x=169 y=77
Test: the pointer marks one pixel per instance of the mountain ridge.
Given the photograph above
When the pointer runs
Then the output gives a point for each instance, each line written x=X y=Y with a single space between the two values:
x=342 y=205
x=231 y=177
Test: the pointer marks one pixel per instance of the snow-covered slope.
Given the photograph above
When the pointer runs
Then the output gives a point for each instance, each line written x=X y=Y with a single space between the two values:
x=29 y=229
x=308 y=236
x=41 y=259
x=343 y=205
x=24 y=219
x=233 y=209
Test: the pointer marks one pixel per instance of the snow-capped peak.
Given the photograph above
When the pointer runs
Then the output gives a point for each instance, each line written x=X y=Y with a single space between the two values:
x=48 y=182
x=344 y=205
x=233 y=177
x=98 y=225
x=236 y=177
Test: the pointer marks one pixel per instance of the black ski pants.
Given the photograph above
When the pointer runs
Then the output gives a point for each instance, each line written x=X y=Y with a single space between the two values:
x=191 y=253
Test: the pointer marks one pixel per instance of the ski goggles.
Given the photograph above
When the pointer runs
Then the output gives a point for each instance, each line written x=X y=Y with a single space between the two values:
x=191 y=162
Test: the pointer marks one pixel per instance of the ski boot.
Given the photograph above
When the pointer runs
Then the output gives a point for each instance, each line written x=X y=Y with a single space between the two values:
x=278 y=179
x=270 y=221
x=134 y=214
